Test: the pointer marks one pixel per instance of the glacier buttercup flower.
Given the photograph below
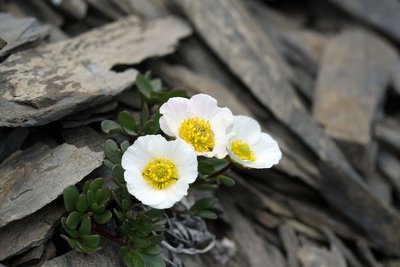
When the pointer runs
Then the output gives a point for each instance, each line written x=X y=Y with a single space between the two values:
x=158 y=172
x=199 y=122
x=250 y=147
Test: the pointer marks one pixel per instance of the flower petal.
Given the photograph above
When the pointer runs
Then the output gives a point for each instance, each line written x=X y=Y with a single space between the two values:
x=174 y=111
x=247 y=129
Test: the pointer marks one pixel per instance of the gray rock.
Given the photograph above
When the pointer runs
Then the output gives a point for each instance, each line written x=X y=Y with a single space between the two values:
x=32 y=231
x=44 y=84
x=20 y=33
x=383 y=15
x=38 y=175
x=356 y=69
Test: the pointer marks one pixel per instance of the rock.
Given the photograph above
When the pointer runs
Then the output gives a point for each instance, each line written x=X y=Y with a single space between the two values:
x=290 y=243
x=389 y=165
x=2 y=43
x=39 y=175
x=70 y=75
x=384 y=16
x=75 y=8
x=31 y=231
x=20 y=33
x=311 y=256
x=84 y=136
x=356 y=69
x=106 y=257
x=31 y=256
x=12 y=141
x=387 y=131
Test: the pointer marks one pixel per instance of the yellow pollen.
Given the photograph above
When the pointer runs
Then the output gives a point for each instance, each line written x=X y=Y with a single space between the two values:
x=160 y=173
x=242 y=150
x=198 y=133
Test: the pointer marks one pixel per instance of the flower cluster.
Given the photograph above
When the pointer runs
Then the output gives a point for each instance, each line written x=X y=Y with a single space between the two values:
x=159 y=170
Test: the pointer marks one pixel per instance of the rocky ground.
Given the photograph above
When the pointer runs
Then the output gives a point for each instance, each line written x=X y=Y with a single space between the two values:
x=322 y=77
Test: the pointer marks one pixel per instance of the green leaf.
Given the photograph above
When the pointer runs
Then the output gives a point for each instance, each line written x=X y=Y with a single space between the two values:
x=225 y=180
x=144 y=115
x=153 y=260
x=71 y=241
x=71 y=232
x=109 y=126
x=99 y=209
x=155 y=250
x=156 y=240
x=73 y=220
x=124 y=146
x=205 y=167
x=91 y=241
x=144 y=85
x=125 y=204
x=137 y=259
x=141 y=243
x=102 y=196
x=103 y=217
x=108 y=164
x=86 y=187
x=82 y=203
x=127 y=120
x=70 y=196
x=112 y=152
x=118 y=172
x=86 y=226
x=90 y=197
x=206 y=214
x=204 y=204
x=154 y=213
x=96 y=184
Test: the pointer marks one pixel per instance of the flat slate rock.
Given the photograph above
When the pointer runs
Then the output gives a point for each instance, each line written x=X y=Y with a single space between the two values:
x=383 y=15
x=106 y=257
x=39 y=175
x=20 y=33
x=32 y=231
x=356 y=68
x=43 y=84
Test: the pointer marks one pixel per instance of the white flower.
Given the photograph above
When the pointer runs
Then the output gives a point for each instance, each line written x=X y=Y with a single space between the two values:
x=199 y=122
x=250 y=147
x=158 y=172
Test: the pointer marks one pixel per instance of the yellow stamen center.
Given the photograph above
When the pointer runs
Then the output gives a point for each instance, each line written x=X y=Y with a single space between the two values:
x=198 y=133
x=160 y=173
x=242 y=150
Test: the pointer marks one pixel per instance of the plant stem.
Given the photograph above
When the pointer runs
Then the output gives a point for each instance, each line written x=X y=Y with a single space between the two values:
x=104 y=232
x=220 y=171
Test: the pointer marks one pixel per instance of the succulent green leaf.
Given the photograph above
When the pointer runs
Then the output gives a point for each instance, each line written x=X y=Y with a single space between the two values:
x=90 y=197
x=103 y=217
x=156 y=240
x=124 y=146
x=70 y=196
x=154 y=250
x=125 y=204
x=109 y=126
x=206 y=214
x=90 y=241
x=153 y=260
x=205 y=167
x=226 y=180
x=96 y=208
x=71 y=242
x=144 y=85
x=102 y=195
x=71 y=232
x=96 y=184
x=204 y=204
x=154 y=213
x=137 y=259
x=73 y=220
x=127 y=121
x=112 y=152
x=86 y=226
x=118 y=172
x=82 y=203
x=141 y=243
x=144 y=115
x=108 y=164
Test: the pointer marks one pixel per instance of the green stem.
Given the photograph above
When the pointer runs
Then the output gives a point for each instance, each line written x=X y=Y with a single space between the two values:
x=220 y=171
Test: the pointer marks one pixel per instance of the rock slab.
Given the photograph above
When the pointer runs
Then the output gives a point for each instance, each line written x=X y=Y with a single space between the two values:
x=43 y=84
